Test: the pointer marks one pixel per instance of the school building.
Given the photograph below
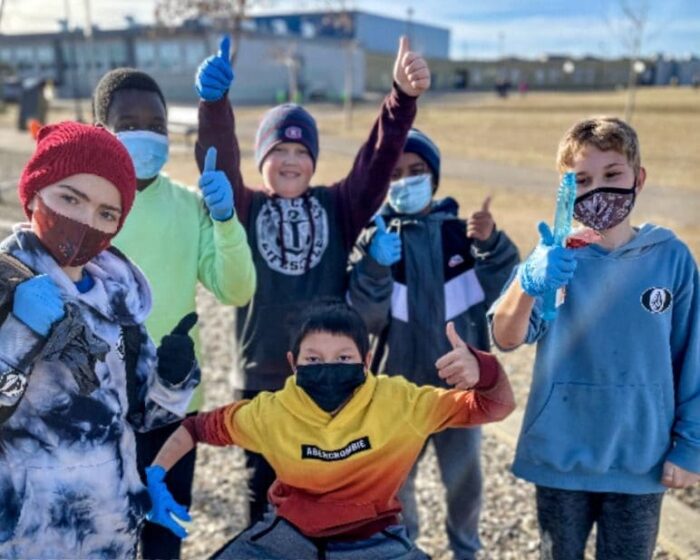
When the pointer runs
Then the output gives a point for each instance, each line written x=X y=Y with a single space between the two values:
x=325 y=54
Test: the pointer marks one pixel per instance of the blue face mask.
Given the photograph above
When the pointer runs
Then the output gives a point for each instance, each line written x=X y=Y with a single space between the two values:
x=148 y=151
x=411 y=194
x=330 y=385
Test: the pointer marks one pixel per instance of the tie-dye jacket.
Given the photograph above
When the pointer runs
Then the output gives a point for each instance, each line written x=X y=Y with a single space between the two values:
x=69 y=487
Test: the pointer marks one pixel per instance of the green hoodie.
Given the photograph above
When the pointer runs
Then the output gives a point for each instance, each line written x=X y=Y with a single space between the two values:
x=171 y=237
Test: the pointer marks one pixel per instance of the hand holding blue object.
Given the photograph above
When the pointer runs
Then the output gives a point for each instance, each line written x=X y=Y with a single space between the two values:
x=38 y=304
x=549 y=267
x=164 y=508
x=216 y=189
x=385 y=247
x=215 y=75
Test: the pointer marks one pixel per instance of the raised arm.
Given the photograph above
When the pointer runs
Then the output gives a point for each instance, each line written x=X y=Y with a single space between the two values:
x=362 y=192
x=225 y=264
x=216 y=124
x=481 y=394
x=371 y=283
x=161 y=382
x=495 y=254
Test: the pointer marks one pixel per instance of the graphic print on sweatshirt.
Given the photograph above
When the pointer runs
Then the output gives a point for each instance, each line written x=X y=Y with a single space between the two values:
x=656 y=300
x=356 y=446
x=292 y=234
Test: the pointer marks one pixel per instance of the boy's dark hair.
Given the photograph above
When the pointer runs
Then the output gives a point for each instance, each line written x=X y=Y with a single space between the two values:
x=336 y=317
x=116 y=80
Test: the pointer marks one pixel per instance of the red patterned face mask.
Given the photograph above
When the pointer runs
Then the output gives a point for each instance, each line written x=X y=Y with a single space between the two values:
x=69 y=242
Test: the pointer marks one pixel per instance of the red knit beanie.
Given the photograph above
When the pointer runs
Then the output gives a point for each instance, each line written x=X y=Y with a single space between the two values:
x=71 y=148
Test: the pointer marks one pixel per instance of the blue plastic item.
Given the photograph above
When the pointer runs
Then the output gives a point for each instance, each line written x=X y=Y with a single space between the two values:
x=566 y=196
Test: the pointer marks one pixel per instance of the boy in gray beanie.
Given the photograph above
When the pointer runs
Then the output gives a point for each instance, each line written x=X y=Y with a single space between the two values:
x=301 y=236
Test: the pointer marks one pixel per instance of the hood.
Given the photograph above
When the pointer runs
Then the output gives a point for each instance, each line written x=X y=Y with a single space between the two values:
x=444 y=208
x=121 y=292
x=648 y=236
x=299 y=404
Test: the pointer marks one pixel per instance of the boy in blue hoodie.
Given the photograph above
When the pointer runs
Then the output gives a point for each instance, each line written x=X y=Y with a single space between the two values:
x=613 y=417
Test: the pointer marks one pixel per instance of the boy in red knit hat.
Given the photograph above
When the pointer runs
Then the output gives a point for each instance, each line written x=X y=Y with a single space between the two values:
x=78 y=371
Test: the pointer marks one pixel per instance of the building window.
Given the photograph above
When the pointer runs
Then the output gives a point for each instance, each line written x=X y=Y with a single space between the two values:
x=279 y=27
x=539 y=76
x=195 y=52
x=170 y=57
x=145 y=55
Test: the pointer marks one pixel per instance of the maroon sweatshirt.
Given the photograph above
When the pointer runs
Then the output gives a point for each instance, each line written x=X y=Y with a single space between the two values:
x=300 y=245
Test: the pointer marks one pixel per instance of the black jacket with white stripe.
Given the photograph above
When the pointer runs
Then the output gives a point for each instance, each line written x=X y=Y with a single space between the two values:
x=442 y=276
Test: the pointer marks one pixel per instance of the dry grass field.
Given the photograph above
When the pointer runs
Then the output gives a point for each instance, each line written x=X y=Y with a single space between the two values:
x=503 y=148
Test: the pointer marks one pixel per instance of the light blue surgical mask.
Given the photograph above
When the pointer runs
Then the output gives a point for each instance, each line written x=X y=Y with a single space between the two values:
x=148 y=151
x=410 y=195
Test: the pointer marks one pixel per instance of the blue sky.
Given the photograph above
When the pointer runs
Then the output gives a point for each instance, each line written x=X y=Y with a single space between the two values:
x=486 y=29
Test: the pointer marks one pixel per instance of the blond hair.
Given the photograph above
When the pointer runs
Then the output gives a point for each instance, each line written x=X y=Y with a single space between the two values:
x=605 y=133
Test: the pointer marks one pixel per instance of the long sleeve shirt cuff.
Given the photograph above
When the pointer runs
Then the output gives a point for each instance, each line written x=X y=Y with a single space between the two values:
x=488 y=369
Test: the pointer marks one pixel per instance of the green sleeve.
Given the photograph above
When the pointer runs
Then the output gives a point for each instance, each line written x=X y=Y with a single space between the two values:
x=225 y=264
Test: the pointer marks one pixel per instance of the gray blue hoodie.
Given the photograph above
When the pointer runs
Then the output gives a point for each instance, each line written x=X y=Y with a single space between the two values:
x=616 y=383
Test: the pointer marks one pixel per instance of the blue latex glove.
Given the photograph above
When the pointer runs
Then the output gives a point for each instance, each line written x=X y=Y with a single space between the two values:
x=163 y=505
x=215 y=75
x=216 y=189
x=385 y=247
x=549 y=267
x=38 y=304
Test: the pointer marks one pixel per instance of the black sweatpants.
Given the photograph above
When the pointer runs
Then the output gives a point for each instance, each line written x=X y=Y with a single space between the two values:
x=157 y=542
x=626 y=524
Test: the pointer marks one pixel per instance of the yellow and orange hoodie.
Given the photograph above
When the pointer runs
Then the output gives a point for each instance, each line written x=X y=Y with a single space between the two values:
x=339 y=475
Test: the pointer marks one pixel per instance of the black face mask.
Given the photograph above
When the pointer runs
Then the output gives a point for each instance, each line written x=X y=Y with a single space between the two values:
x=330 y=385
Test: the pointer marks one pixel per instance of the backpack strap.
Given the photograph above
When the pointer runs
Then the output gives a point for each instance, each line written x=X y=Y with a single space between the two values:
x=132 y=349
x=12 y=272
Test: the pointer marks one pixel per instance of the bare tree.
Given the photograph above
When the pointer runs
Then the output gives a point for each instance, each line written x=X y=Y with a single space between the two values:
x=232 y=13
x=632 y=29
x=341 y=18
x=287 y=56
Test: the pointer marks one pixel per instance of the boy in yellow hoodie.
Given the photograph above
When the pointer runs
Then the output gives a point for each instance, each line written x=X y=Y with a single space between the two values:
x=340 y=439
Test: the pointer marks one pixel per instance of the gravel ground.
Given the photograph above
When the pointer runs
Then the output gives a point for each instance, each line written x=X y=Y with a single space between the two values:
x=508 y=525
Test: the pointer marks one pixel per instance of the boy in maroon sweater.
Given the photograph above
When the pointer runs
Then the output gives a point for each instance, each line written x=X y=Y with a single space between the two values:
x=300 y=235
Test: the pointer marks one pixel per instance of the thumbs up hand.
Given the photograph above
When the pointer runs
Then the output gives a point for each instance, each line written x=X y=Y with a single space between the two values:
x=215 y=75
x=459 y=366
x=176 y=352
x=411 y=71
x=480 y=225
x=385 y=247
x=216 y=189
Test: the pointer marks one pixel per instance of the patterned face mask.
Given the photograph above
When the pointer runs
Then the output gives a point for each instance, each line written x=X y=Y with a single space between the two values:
x=605 y=207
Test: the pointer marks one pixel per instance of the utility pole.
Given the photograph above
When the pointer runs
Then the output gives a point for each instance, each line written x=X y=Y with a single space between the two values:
x=72 y=62
x=2 y=9
x=89 y=45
